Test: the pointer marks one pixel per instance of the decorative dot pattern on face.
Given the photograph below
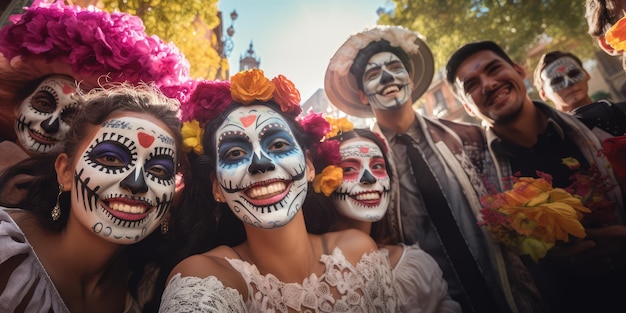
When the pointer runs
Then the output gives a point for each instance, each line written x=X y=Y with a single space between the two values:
x=125 y=179
x=260 y=167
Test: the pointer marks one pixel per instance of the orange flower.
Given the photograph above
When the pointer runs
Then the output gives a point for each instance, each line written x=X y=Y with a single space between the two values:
x=538 y=214
x=251 y=85
x=616 y=35
x=286 y=95
x=328 y=180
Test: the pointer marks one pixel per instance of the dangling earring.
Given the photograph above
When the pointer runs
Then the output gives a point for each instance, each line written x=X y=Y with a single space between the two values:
x=56 y=211
x=165 y=227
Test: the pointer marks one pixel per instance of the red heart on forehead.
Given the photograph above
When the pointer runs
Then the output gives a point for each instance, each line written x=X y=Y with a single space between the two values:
x=364 y=149
x=561 y=69
x=247 y=120
x=145 y=140
x=68 y=89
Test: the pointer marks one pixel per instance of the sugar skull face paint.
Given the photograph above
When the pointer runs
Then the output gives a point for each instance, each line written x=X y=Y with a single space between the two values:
x=364 y=192
x=43 y=119
x=561 y=74
x=386 y=82
x=125 y=179
x=261 y=169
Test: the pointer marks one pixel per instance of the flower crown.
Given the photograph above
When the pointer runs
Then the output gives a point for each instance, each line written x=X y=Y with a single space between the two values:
x=326 y=132
x=201 y=101
x=86 y=43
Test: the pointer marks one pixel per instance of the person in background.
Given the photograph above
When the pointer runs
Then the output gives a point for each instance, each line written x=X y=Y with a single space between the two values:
x=353 y=190
x=79 y=240
x=54 y=52
x=526 y=137
x=561 y=78
x=601 y=15
x=380 y=72
x=254 y=163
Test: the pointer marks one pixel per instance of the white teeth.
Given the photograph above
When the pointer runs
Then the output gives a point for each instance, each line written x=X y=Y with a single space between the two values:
x=126 y=208
x=390 y=89
x=368 y=196
x=270 y=189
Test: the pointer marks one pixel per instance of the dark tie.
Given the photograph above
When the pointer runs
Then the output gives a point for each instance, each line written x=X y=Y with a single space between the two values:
x=438 y=208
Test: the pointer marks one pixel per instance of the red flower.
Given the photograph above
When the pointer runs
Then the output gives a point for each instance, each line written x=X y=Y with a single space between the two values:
x=329 y=151
x=209 y=99
x=615 y=150
x=315 y=125
x=286 y=95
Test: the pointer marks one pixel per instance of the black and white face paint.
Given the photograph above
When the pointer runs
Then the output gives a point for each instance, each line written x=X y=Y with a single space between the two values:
x=561 y=74
x=44 y=117
x=260 y=167
x=364 y=191
x=124 y=180
x=386 y=82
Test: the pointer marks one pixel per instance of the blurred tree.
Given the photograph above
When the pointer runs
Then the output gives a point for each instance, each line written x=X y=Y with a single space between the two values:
x=524 y=28
x=188 y=24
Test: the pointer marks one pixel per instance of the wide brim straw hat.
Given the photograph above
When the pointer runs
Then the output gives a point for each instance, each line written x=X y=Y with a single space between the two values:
x=342 y=87
x=92 y=46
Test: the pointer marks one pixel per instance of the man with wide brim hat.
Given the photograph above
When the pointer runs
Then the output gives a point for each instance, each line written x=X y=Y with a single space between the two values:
x=380 y=72
x=343 y=88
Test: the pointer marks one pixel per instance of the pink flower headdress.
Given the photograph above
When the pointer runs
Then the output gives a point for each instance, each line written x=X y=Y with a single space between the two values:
x=201 y=101
x=88 y=44
x=326 y=132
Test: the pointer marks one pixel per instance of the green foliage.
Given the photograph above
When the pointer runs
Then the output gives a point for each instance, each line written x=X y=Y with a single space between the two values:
x=519 y=26
x=188 y=24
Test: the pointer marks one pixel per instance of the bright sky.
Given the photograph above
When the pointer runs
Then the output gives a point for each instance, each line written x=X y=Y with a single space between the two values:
x=296 y=38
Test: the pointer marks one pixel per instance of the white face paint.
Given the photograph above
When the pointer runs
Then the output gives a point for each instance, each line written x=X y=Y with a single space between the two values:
x=43 y=118
x=124 y=180
x=364 y=191
x=261 y=169
x=561 y=74
x=386 y=82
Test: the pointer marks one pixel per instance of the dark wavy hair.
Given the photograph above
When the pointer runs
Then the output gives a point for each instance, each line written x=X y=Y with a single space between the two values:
x=319 y=211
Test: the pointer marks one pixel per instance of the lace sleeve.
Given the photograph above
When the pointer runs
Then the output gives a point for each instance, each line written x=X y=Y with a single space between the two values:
x=419 y=284
x=193 y=294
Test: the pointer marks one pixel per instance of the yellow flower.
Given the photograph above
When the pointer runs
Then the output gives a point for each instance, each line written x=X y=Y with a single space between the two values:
x=328 y=180
x=338 y=125
x=192 y=137
x=536 y=249
x=251 y=85
x=571 y=163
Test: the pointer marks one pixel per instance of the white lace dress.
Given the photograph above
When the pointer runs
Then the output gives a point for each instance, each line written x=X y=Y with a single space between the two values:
x=419 y=284
x=27 y=276
x=368 y=287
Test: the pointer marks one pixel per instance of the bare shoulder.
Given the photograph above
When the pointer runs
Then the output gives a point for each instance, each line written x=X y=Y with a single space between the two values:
x=211 y=263
x=352 y=243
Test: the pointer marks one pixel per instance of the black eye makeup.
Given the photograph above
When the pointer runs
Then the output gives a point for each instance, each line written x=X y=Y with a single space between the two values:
x=112 y=156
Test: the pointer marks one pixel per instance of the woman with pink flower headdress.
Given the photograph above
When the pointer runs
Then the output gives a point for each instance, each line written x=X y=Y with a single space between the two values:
x=245 y=189
x=353 y=190
x=52 y=53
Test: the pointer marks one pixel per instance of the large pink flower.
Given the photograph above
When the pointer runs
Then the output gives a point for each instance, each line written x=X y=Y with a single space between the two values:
x=315 y=125
x=209 y=99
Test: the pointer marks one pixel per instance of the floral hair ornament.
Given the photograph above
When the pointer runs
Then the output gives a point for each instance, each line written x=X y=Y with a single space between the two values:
x=87 y=44
x=616 y=35
x=327 y=154
x=202 y=100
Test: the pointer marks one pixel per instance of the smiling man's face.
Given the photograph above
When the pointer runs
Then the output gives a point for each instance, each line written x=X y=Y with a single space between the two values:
x=386 y=82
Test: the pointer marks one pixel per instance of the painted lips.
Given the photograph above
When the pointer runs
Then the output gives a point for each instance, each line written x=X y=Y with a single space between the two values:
x=128 y=210
x=267 y=193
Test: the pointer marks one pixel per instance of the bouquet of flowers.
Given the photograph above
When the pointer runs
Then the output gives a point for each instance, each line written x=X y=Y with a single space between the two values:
x=532 y=216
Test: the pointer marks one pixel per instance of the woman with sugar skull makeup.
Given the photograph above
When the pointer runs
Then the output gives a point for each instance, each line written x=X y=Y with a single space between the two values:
x=81 y=237
x=353 y=190
x=254 y=158
x=51 y=52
